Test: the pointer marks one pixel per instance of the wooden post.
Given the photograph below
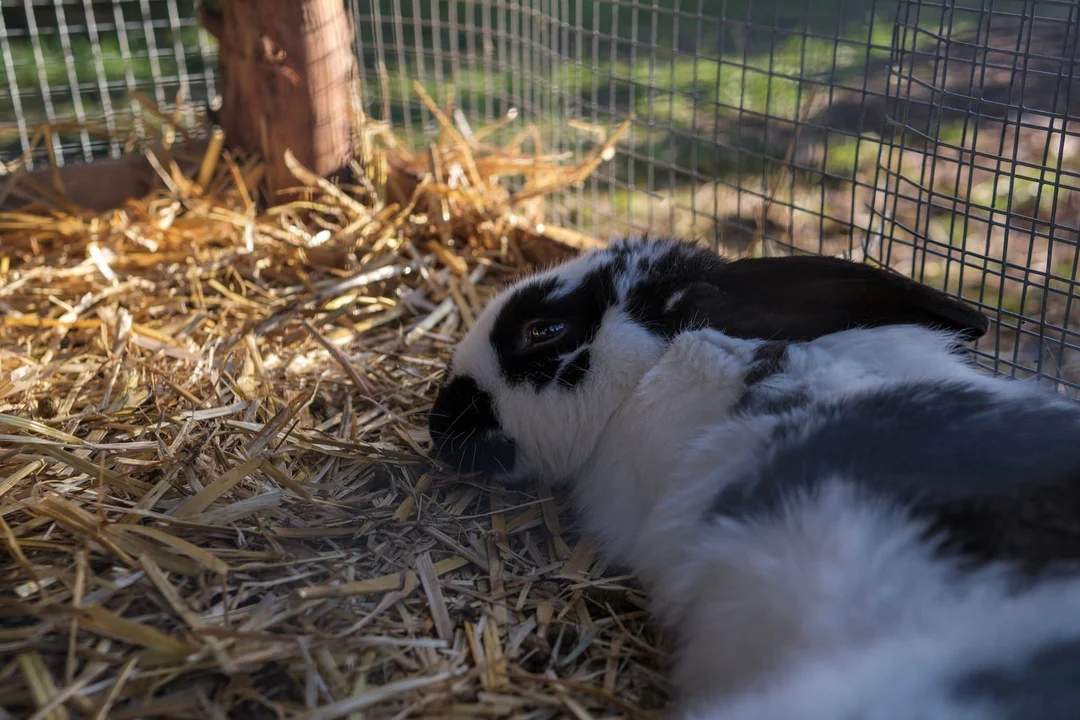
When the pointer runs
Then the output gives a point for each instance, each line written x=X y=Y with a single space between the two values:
x=286 y=72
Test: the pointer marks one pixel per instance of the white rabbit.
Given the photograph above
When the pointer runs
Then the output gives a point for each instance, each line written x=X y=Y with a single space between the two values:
x=723 y=431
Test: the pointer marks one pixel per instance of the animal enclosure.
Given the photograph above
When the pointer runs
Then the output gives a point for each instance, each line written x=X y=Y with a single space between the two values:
x=936 y=137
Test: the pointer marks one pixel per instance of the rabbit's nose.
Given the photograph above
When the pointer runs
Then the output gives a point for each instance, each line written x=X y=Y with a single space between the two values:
x=465 y=431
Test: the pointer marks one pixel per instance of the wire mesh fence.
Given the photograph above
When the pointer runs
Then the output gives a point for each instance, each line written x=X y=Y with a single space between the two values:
x=978 y=178
x=938 y=137
x=79 y=65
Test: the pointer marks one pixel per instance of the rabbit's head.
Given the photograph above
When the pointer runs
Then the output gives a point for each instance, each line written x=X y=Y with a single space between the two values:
x=533 y=383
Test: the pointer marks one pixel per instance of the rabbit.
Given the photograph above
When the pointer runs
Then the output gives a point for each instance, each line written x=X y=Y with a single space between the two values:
x=548 y=360
x=682 y=398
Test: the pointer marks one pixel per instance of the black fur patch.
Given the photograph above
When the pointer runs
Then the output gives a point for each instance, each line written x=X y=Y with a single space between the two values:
x=465 y=430
x=582 y=309
x=463 y=406
x=791 y=298
x=768 y=361
x=1045 y=686
x=996 y=477
x=685 y=268
x=771 y=403
x=576 y=370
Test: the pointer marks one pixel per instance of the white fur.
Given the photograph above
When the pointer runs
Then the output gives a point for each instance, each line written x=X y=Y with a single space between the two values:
x=908 y=670
x=837 y=608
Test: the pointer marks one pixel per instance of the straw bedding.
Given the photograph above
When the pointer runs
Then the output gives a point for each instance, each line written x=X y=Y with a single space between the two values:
x=214 y=500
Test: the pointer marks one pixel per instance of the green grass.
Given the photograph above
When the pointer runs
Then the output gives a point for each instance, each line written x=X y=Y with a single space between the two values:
x=706 y=114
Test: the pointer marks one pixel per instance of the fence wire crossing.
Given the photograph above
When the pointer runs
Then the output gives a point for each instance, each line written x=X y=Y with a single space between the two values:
x=938 y=137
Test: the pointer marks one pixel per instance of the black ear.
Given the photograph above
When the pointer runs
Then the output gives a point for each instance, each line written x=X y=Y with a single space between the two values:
x=799 y=298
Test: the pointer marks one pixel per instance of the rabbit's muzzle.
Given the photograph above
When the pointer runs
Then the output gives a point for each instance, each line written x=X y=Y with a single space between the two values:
x=465 y=431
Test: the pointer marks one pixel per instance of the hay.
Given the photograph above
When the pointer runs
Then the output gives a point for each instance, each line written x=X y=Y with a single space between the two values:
x=214 y=500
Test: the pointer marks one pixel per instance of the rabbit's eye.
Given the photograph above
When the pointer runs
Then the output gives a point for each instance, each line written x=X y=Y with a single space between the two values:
x=543 y=331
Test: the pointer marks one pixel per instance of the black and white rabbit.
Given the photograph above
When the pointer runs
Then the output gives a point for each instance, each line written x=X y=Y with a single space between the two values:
x=791 y=490
x=549 y=359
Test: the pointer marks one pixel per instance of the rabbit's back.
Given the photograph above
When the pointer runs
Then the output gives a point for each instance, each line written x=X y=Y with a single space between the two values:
x=997 y=472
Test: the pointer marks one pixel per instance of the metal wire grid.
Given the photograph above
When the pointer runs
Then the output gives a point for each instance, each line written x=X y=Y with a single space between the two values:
x=793 y=125
x=678 y=66
x=78 y=60
x=497 y=56
x=979 y=175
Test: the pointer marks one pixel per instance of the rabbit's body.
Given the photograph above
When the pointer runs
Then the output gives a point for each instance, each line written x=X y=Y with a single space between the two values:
x=893 y=407
x=518 y=407
x=839 y=607
x=797 y=471
x=710 y=391
x=771 y=540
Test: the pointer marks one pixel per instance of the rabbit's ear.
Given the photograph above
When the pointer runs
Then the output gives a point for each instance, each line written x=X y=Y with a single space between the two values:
x=800 y=298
